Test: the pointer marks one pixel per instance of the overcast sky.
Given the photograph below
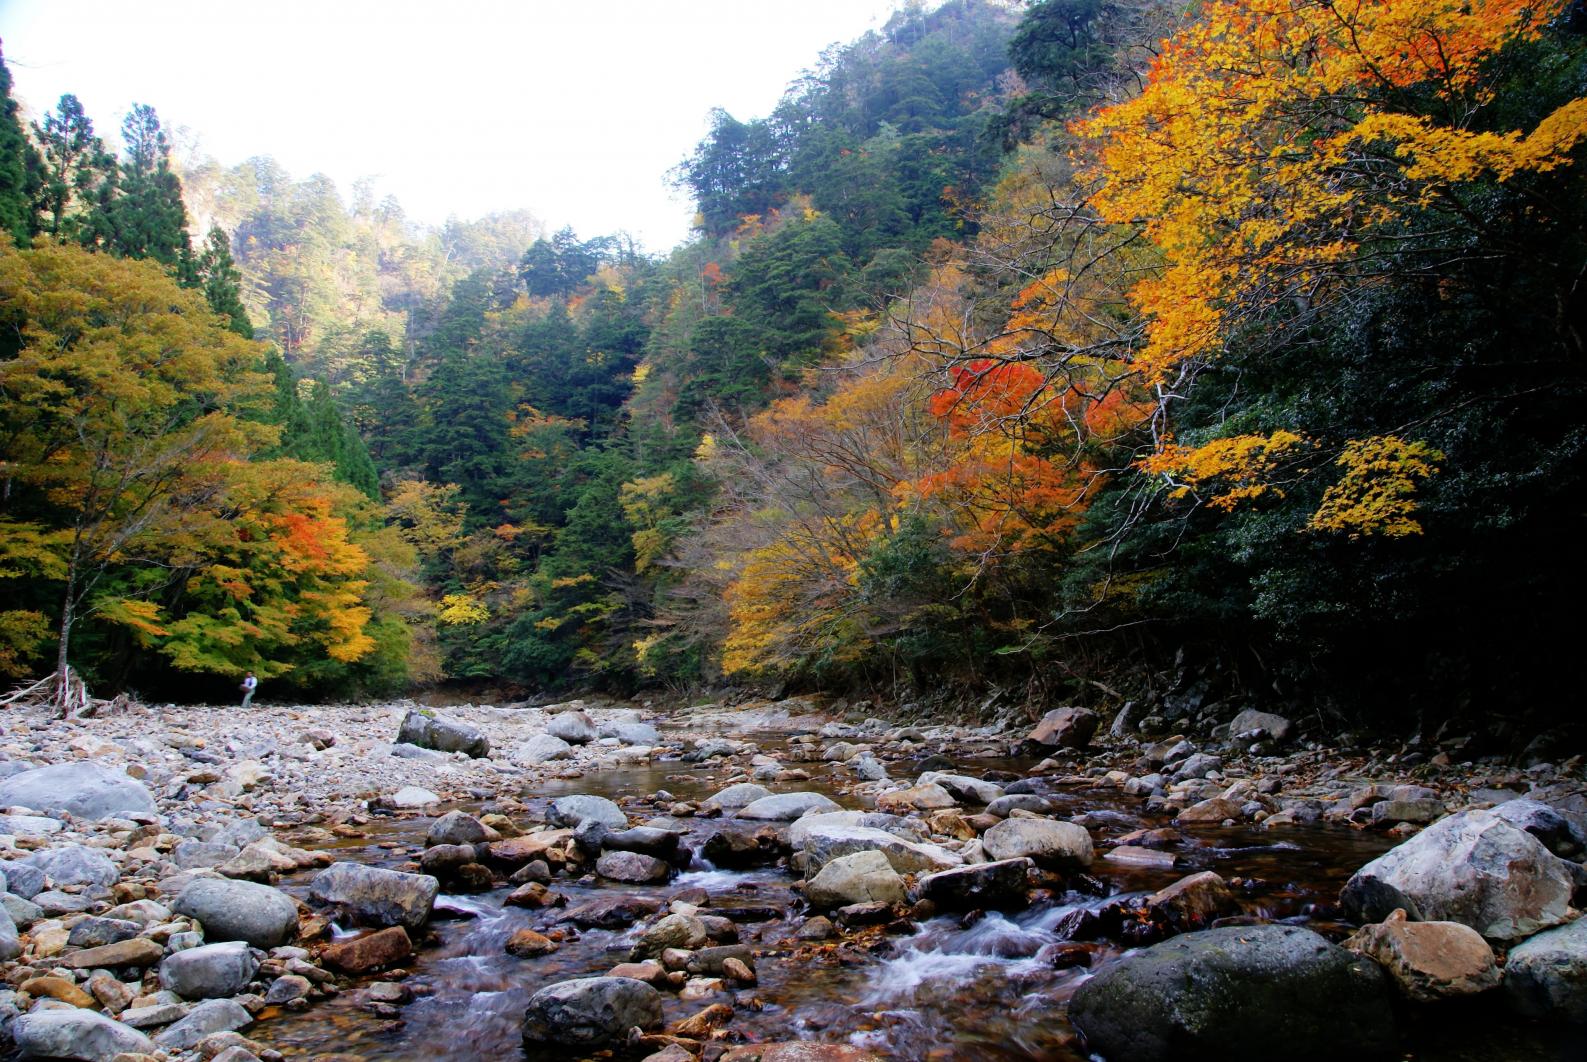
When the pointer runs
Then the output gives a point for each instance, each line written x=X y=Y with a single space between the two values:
x=572 y=110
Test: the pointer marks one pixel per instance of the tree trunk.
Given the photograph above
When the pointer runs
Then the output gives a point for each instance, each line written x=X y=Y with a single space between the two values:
x=63 y=670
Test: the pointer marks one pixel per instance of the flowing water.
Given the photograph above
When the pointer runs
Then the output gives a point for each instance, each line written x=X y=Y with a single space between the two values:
x=952 y=988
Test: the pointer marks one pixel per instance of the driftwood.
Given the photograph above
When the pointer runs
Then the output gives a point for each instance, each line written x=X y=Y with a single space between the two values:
x=69 y=700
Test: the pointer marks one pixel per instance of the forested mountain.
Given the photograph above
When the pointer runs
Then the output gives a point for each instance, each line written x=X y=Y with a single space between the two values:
x=1077 y=349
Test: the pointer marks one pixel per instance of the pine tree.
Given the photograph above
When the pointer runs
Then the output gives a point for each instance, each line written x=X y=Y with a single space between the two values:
x=143 y=215
x=20 y=168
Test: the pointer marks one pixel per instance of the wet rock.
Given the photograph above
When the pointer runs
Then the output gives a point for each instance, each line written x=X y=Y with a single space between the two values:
x=542 y=748
x=1428 y=960
x=1472 y=867
x=632 y=867
x=1211 y=812
x=78 y=1034
x=456 y=827
x=735 y=847
x=591 y=1012
x=801 y=1051
x=1197 y=765
x=532 y=894
x=1251 y=725
x=663 y=844
x=239 y=910
x=1002 y=885
x=575 y=727
x=673 y=931
x=926 y=797
x=442 y=735
x=1005 y=805
x=85 y=789
x=74 y=864
x=206 y=1019
x=786 y=807
x=376 y=897
x=444 y=860
x=571 y=810
x=518 y=851
x=1060 y=845
x=1192 y=902
x=1067 y=728
x=863 y=877
x=209 y=971
x=611 y=912
x=1546 y=976
x=1132 y=856
x=1235 y=994
x=1389 y=812
x=371 y=951
x=962 y=787
x=527 y=944
x=286 y=988
x=140 y=951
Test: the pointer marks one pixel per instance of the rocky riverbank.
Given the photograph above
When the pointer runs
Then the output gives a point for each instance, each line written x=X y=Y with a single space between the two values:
x=180 y=881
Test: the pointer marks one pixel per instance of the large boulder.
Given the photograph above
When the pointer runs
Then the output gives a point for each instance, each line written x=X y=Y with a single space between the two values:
x=542 y=748
x=575 y=727
x=962 y=786
x=786 y=807
x=572 y=810
x=208 y=1018
x=75 y=864
x=630 y=732
x=826 y=843
x=1429 y=961
x=1474 y=868
x=10 y=939
x=1000 y=885
x=74 y=1033
x=1236 y=994
x=211 y=971
x=737 y=796
x=456 y=827
x=590 y=1012
x=864 y=877
x=1251 y=724
x=384 y=947
x=1546 y=977
x=1048 y=842
x=228 y=909
x=85 y=789
x=373 y=896
x=1559 y=834
x=442 y=735
x=1065 y=728
x=635 y=868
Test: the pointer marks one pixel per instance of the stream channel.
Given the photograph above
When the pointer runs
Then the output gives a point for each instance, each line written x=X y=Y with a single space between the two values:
x=953 y=988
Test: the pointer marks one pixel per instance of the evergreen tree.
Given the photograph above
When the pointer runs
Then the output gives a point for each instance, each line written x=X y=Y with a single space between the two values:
x=76 y=165
x=143 y=215
x=222 y=284
x=20 y=168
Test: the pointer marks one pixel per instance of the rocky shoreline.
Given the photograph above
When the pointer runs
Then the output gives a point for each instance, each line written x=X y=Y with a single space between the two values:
x=143 y=855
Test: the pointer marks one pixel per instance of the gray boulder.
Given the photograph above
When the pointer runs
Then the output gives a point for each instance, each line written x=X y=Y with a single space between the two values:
x=456 y=827
x=542 y=748
x=864 y=877
x=1251 y=724
x=210 y=971
x=575 y=727
x=1239 y=994
x=191 y=855
x=208 y=1018
x=22 y=879
x=633 y=867
x=10 y=940
x=30 y=825
x=591 y=1012
x=1474 y=868
x=826 y=843
x=85 y=789
x=786 y=807
x=74 y=864
x=78 y=1034
x=630 y=733
x=373 y=896
x=572 y=810
x=1001 y=885
x=1558 y=833
x=963 y=787
x=443 y=735
x=1546 y=977
x=737 y=796
x=239 y=910
x=1050 y=843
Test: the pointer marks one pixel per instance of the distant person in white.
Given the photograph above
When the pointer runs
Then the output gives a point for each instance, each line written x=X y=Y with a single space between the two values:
x=249 y=684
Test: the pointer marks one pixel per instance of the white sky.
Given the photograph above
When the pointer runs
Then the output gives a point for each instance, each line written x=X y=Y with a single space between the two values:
x=574 y=111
